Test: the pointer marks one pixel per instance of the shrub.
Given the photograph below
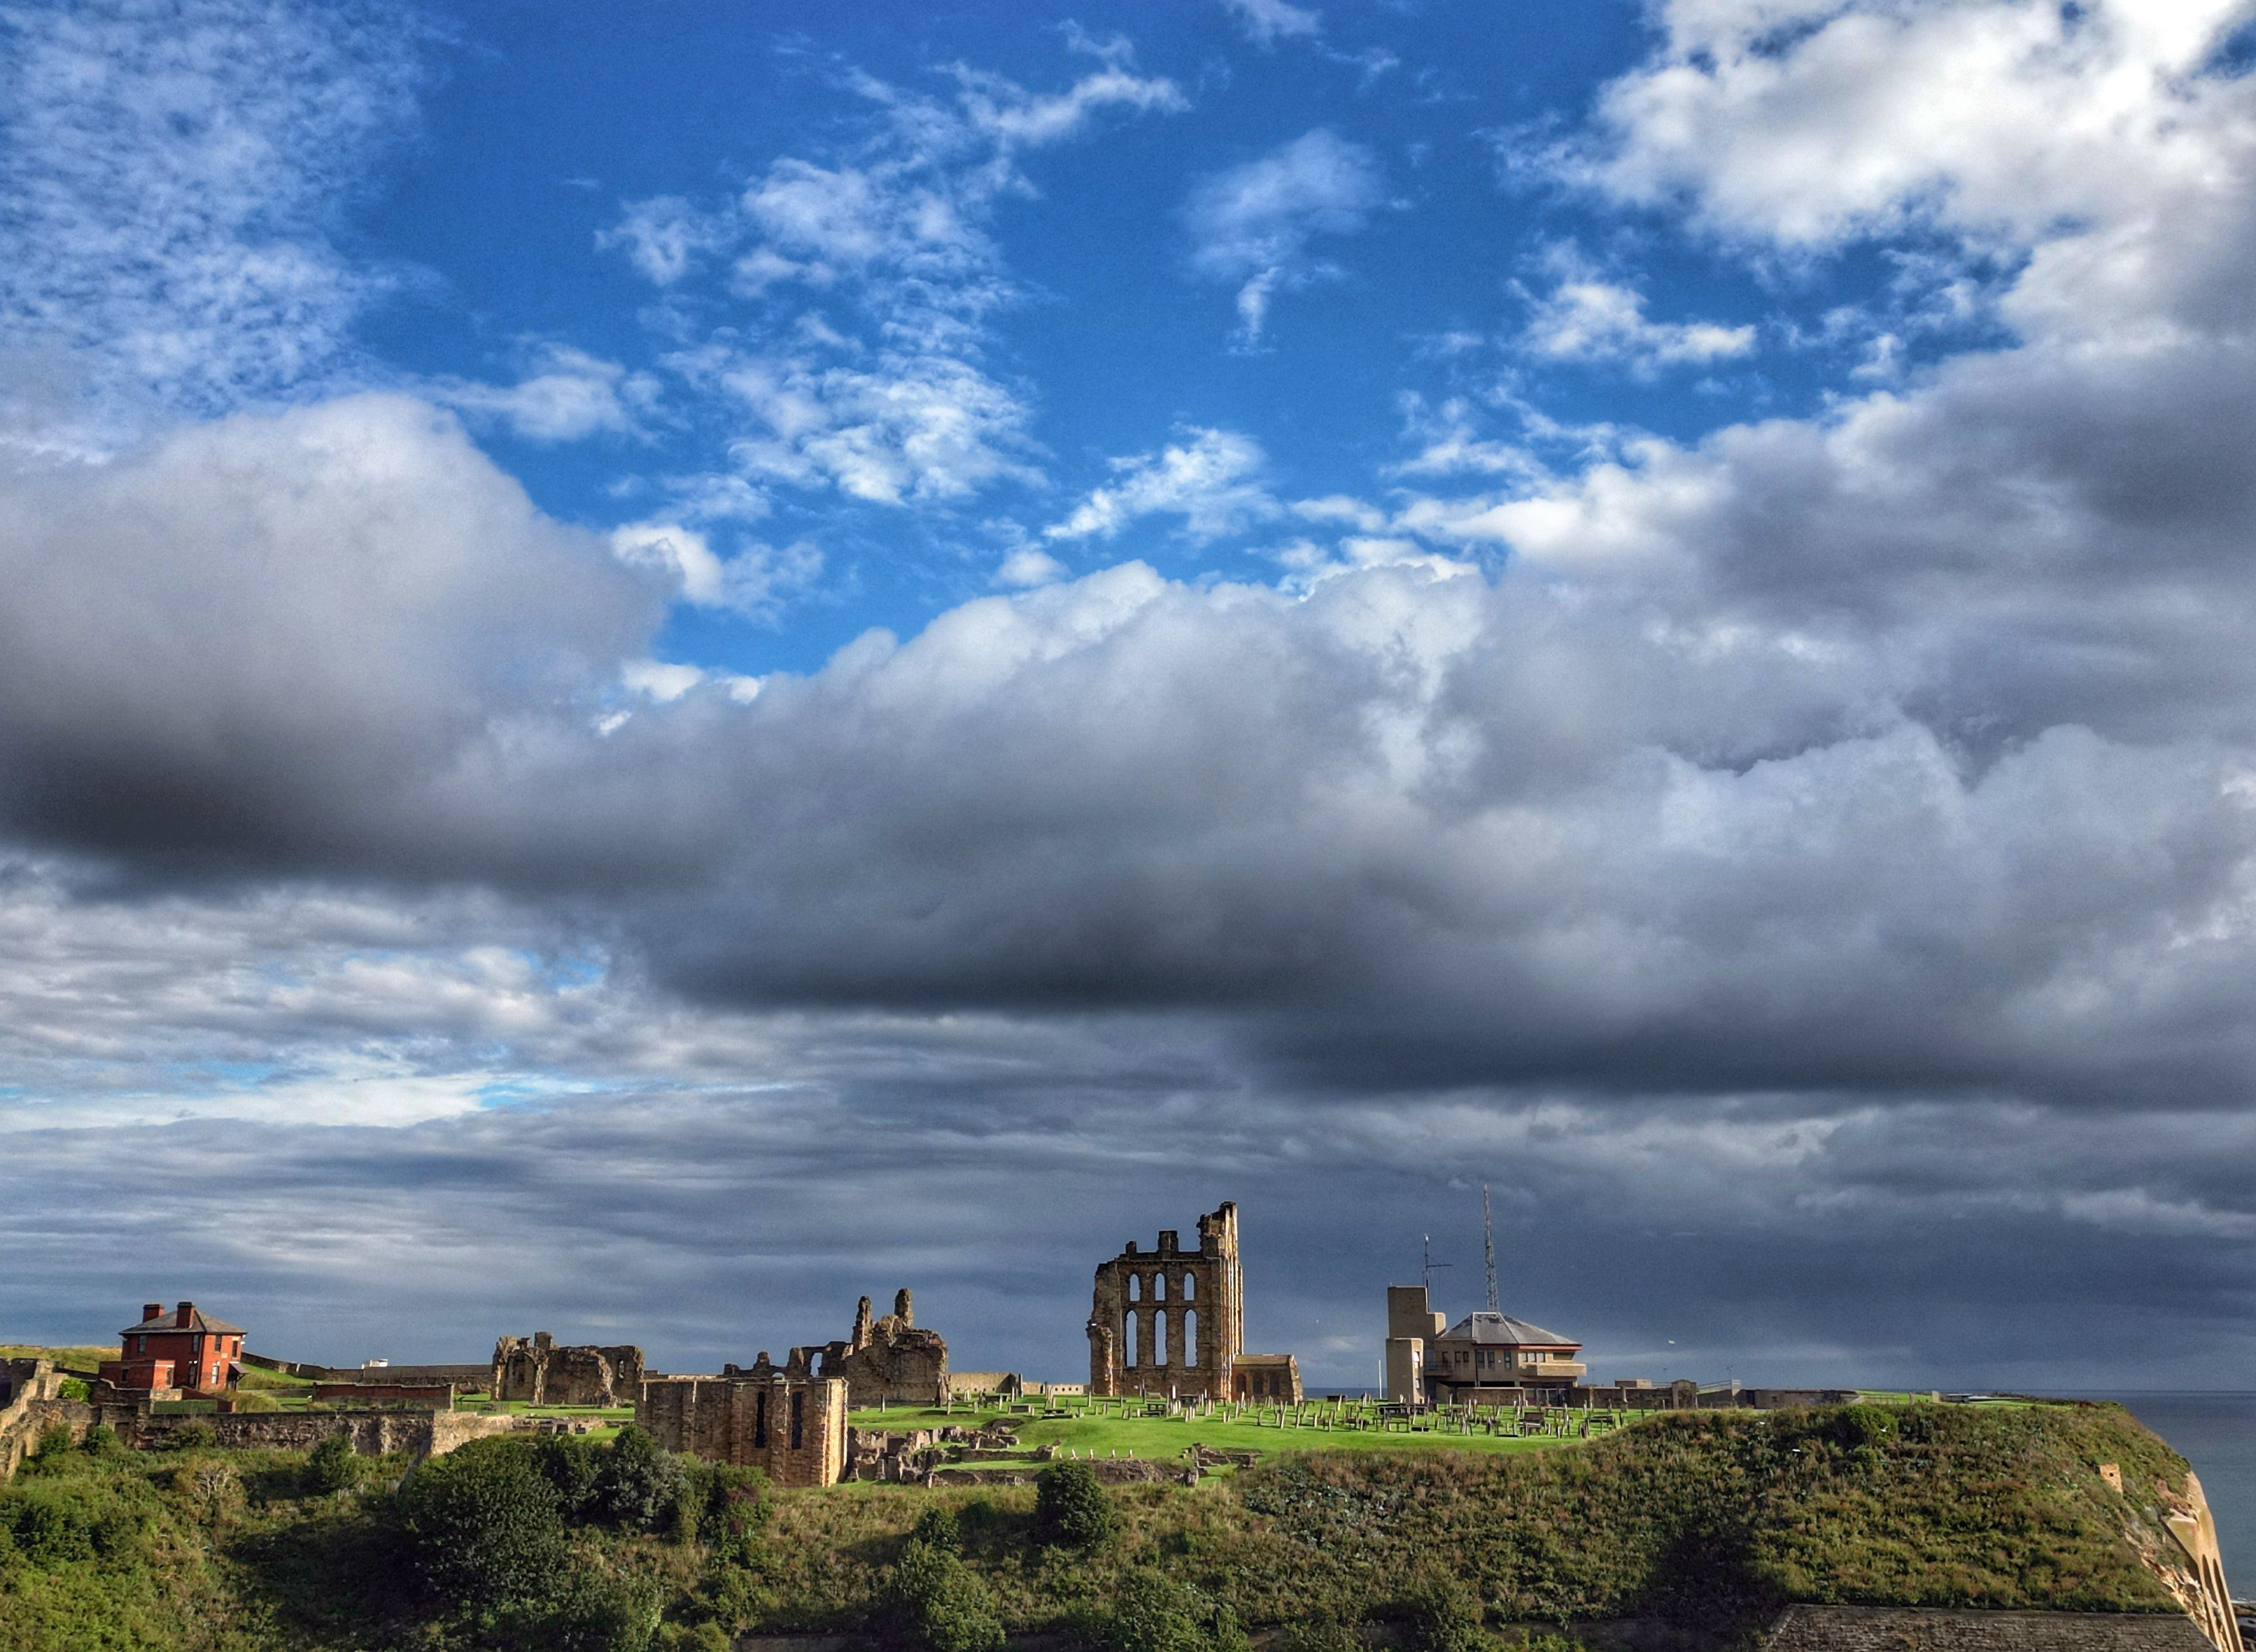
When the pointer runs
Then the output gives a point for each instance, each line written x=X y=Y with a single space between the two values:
x=334 y=1467
x=483 y=1525
x=940 y=1528
x=1444 y=1615
x=1152 y=1613
x=1858 y=1426
x=55 y=1440
x=595 y=1613
x=101 y=1441
x=194 y=1437
x=639 y=1482
x=49 y=1527
x=209 y=1486
x=1071 y=1508
x=938 y=1603
x=1319 y=1634
x=71 y=1389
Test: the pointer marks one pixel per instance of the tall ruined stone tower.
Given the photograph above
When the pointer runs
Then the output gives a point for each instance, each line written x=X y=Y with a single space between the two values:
x=1170 y=1321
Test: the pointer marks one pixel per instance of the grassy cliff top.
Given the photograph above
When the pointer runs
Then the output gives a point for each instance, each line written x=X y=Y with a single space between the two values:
x=1700 y=1517
x=1710 y=1520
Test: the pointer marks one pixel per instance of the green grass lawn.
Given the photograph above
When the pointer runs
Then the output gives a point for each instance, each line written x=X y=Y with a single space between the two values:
x=1102 y=1430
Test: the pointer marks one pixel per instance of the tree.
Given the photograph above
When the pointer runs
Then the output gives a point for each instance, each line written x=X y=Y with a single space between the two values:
x=483 y=1525
x=334 y=1465
x=940 y=1604
x=1071 y=1508
x=639 y=1483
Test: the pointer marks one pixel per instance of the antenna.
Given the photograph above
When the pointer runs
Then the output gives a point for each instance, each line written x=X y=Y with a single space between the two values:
x=1427 y=1264
x=1488 y=1247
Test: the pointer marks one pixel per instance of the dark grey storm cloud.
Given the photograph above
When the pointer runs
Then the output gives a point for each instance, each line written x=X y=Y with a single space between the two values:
x=1960 y=1245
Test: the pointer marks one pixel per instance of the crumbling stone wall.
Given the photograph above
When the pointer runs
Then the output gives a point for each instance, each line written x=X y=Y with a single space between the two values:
x=539 y=1373
x=1170 y=1321
x=888 y=1362
x=371 y=1433
x=781 y=1420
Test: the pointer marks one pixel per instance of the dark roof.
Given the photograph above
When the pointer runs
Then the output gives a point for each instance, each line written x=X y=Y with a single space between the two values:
x=1937 y=1629
x=198 y=1321
x=1502 y=1328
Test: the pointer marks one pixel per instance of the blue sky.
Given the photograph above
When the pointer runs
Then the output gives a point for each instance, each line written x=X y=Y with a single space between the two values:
x=661 y=664
x=1411 y=264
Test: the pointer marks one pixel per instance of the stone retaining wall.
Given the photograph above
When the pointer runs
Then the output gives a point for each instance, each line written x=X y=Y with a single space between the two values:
x=372 y=1433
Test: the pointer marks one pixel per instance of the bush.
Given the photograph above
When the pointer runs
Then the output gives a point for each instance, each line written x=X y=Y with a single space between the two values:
x=1071 y=1508
x=731 y=1503
x=101 y=1441
x=334 y=1467
x=1152 y=1613
x=639 y=1482
x=940 y=1528
x=72 y=1389
x=937 y=1602
x=595 y=1613
x=1320 y=1634
x=483 y=1525
x=195 y=1436
x=48 y=1527
x=54 y=1441
x=1444 y=1615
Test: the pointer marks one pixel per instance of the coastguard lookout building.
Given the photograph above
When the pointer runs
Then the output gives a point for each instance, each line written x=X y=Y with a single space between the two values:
x=1485 y=1359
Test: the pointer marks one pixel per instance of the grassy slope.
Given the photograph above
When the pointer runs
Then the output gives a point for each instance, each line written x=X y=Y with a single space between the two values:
x=78 y=1362
x=1709 y=1519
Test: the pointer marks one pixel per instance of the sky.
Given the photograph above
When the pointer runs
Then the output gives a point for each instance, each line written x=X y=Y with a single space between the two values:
x=664 y=662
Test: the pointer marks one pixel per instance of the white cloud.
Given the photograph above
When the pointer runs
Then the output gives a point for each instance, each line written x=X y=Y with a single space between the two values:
x=2134 y=1210
x=664 y=235
x=568 y=397
x=876 y=276
x=1212 y=480
x=1253 y=223
x=658 y=680
x=1265 y=22
x=751 y=582
x=895 y=427
x=2104 y=139
x=1026 y=567
x=1586 y=318
x=171 y=174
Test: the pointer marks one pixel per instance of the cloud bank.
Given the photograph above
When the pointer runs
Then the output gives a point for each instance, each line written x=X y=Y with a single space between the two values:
x=1834 y=835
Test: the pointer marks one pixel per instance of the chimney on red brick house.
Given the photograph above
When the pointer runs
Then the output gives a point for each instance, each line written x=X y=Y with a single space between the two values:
x=151 y=1310
x=186 y=1311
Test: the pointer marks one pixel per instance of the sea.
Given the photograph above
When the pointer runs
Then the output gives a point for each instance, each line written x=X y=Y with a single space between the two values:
x=2217 y=1434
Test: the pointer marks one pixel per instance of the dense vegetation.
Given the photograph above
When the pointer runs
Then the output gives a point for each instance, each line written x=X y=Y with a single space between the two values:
x=1710 y=1520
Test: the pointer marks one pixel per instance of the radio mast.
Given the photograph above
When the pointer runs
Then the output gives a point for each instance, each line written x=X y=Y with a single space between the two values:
x=1488 y=1245
x=1427 y=1264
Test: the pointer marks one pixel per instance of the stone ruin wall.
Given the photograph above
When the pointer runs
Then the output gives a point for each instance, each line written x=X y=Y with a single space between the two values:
x=790 y=1426
x=1170 y=1321
x=888 y=1362
x=538 y=1372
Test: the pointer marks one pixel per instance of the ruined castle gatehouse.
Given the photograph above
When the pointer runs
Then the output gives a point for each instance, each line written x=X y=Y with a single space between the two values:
x=1171 y=1321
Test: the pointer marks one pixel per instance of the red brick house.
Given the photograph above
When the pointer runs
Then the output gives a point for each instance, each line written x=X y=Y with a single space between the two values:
x=185 y=1352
